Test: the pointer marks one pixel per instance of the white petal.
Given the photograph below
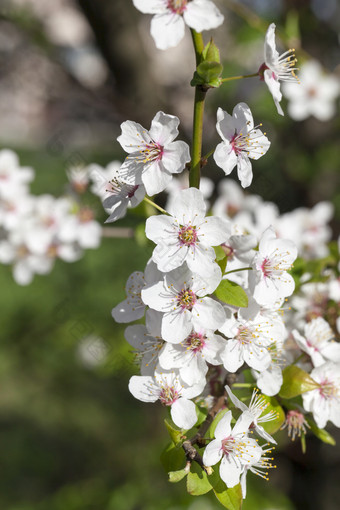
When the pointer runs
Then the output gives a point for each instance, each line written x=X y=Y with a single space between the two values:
x=225 y=157
x=230 y=472
x=164 y=128
x=167 y=30
x=143 y=388
x=244 y=170
x=183 y=413
x=213 y=453
x=202 y=15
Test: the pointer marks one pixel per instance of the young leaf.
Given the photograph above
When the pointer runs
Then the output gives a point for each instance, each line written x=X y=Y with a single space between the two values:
x=217 y=418
x=230 y=498
x=175 y=434
x=197 y=481
x=172 y=458
x=295 y=382
x=273 y=426
x=322 y=434
x=211 y=53
x=232 y=294
x=177 y=476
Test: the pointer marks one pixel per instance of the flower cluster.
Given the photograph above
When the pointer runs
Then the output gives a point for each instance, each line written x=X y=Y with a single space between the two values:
x=36 y=230
x=214 y=290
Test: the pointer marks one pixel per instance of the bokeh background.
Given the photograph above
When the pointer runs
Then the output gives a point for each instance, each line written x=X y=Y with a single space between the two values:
x=71 y=435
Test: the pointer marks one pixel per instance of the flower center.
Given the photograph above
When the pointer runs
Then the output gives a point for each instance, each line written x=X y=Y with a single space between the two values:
x=245 y=335
x=187 y=235
x=177 y=6
x=228 y=445
x=328 y=390
x=195 y=342
x=248 y=141
x=186 y=299
x=168 y=395
x=296 y=423
x=151 y=152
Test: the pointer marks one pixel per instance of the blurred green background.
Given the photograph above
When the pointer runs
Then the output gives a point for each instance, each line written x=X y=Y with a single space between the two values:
x=72 y=437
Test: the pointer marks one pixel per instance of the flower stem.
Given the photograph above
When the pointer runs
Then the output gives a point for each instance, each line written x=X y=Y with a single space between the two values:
x=237 y=270
x=200 y=93
x=231 y=78
x=148 y=201
x=206 y=156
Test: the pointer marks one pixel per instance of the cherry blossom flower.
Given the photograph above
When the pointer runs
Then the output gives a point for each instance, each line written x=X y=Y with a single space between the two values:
x=324 y=401
x=191 y=356
x=182 y=296
x=269 y=279
x=257 y=406
x=153 y=155
x=316 y=94
x=171 y=391
x=277 y=68
x=318 y=341
x=241 y=141
x=171 y=16
x=187 y=235
x=101 y=178
x=234 y=448
x=249 y=341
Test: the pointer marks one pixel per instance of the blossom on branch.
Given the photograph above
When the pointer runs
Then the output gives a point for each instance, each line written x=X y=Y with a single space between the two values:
x=171 y=16
x=153 y=155
x=241 y=141
x=234 y=447
x=277 y=68
x=187 y=235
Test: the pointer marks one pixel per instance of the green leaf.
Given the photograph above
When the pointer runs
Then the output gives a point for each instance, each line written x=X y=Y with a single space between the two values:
x=295 y=382
x=322 y=434
x=223 y=264
x=217 y=418
x=175 y=434
x=177 y=476
x=220 y=253
x=211 y=53
x=197 y=481
x=230 y=498
x=202 y=413
x=172 y=458
x=274 y=425
x=232 y=294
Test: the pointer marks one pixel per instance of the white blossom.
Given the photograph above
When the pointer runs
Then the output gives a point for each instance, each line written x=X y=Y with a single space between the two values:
x=182 y=296
x=318 y=341
x=241 y=141
x=153 y=155
x=234 y=448
x=324 y=400
x=269 y=278
x=171 y=391
x=316 y=94
x=277 y=68
x=187 y=235
x=171 y=16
